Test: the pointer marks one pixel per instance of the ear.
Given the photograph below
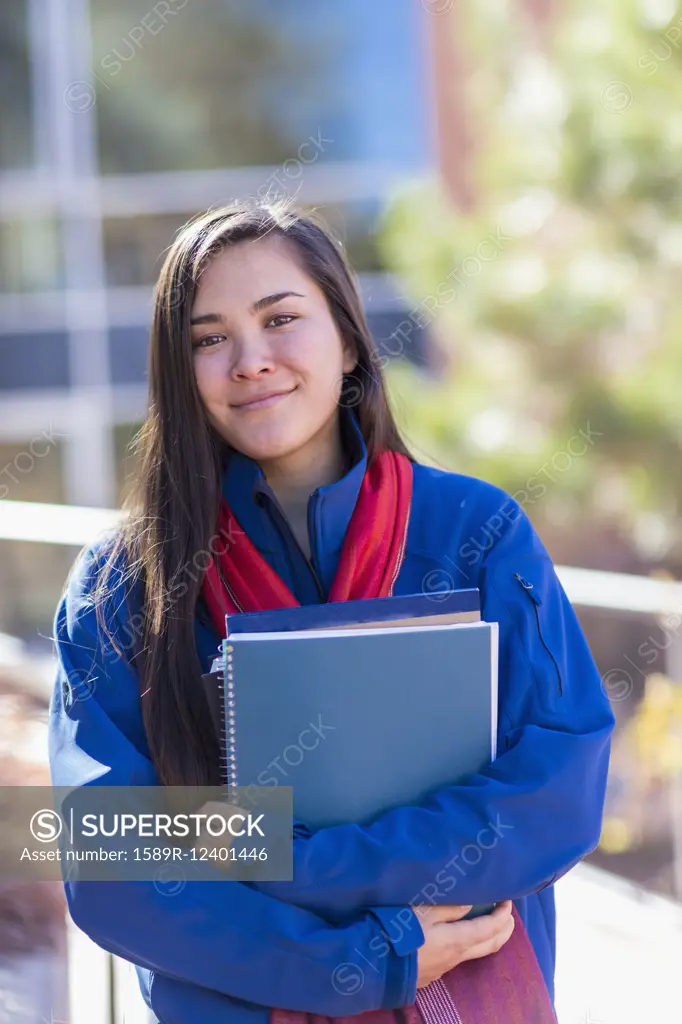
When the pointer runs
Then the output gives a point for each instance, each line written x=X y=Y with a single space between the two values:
x=350 y=356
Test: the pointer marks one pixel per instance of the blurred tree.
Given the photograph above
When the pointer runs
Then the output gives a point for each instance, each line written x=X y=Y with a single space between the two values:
x=645 y=788
x=556 y=300
x=658 y=747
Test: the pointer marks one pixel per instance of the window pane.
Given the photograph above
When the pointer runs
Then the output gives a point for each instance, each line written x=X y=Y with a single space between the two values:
x=272 y=76
x=16 y=130
x=30 y=258
x=134 y=247
x=33 y=360
x=31 y=470
x=128 y=354
x=126 y=460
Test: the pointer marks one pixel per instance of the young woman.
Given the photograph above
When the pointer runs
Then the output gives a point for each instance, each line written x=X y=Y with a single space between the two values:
x=268 y=419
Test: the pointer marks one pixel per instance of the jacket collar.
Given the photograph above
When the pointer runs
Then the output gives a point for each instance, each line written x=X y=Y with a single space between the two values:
x=329 y=508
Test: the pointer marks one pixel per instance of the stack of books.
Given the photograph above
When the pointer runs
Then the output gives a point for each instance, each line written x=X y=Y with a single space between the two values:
x=359 y=706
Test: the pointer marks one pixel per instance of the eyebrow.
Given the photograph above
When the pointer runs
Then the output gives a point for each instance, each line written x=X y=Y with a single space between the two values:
x=266 y=300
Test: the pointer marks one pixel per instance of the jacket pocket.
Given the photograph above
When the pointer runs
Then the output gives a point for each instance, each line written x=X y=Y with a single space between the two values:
x=536 y=601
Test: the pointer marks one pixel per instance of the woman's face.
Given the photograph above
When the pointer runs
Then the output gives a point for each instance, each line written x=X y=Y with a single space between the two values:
x=268 y=356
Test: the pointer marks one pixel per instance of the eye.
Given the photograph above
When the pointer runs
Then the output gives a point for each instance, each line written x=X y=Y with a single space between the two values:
x=208 y=341
x=282 y=316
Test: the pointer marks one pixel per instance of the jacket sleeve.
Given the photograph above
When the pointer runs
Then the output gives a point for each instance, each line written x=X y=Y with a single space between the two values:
x=222 y=935
x=533 y=813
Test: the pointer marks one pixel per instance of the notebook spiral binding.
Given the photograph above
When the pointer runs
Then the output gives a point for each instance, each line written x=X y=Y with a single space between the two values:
x=228 y=730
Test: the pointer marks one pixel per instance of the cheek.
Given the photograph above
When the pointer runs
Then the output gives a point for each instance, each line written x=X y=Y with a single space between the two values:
x=322 y=381
x=319 y=361
x=210 y=377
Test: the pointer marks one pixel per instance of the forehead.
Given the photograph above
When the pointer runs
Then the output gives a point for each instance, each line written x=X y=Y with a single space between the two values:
x=246 y=271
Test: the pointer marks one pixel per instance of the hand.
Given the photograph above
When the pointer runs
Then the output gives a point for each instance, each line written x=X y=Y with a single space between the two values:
x=449 y=940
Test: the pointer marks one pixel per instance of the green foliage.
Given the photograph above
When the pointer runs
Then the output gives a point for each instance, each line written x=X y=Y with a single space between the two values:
x=557 y=300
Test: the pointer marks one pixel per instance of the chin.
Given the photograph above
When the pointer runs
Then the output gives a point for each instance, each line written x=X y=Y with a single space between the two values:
x=275 y=445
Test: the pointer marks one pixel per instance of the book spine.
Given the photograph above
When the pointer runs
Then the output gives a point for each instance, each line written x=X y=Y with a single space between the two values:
x=228 y=721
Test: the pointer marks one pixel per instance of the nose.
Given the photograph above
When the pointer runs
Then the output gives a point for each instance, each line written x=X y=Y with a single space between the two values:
x=253 y=358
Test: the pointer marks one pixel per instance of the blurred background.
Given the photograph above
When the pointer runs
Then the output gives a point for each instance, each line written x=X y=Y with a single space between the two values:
x=505 y=178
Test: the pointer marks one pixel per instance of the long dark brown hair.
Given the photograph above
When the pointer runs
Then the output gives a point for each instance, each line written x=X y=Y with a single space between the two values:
x=174 y=495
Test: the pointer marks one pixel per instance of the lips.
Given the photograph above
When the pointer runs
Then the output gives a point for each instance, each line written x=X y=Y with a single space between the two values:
x=263 y=401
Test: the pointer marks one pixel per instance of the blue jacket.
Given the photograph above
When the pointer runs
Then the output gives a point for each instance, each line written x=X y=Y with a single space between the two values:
x=340 y=938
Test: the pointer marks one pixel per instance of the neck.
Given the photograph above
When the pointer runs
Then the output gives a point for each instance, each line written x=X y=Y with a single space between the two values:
x=295 y=476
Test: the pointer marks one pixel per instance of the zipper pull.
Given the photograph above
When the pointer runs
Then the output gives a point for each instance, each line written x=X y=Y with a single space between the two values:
x=529 y=588
x=537 y=601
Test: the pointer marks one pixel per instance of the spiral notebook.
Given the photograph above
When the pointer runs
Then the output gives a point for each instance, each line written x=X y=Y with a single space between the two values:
x=361 y=720
x=358 y=719
x=432 y=608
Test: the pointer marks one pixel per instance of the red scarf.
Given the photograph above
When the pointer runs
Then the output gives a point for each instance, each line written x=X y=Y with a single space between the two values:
x=506 y=986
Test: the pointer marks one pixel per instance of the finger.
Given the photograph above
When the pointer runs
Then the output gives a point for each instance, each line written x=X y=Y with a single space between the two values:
x=492 y=945
x=435 y=914
x=479 y=929
x=497 y=916
x=502 y=912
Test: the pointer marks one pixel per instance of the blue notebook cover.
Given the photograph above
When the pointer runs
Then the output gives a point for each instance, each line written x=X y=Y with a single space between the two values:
x=360 y=721
x=465 y=605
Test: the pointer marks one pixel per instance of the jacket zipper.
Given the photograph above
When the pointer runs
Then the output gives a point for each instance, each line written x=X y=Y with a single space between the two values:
x=528 y=587
x=293 y=537
x=310 y=520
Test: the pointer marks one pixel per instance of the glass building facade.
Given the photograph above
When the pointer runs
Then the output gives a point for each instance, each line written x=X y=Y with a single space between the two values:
x=123 y=120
